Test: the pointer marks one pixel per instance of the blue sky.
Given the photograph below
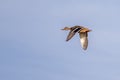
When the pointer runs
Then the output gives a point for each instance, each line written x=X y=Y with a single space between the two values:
x=32 y=46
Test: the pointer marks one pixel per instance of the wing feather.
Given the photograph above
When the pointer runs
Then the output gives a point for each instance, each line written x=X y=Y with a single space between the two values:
x=84 y=40
x=70 y=35
x=72 y=32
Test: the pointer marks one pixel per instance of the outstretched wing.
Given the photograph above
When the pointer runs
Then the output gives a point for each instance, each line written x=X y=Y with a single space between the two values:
x=83 y=39
x=72 y=32
x=70 y=35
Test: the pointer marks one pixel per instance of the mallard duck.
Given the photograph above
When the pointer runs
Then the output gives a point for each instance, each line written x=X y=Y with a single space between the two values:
x=83 y=32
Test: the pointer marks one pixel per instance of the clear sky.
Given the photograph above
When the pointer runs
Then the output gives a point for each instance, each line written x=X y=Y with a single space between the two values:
x=32 y=46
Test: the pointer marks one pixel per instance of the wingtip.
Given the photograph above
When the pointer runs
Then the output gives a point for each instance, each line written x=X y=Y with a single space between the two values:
x=84 y=49
x=67 y=40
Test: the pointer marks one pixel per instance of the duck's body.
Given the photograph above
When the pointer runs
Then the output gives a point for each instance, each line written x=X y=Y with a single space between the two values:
x=83 y=32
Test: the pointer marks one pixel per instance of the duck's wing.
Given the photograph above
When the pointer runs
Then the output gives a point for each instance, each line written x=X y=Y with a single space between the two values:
x=72 y=33
x=83 y=39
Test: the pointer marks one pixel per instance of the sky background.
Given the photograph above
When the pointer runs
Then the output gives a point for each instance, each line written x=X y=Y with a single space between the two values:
x=32 y=46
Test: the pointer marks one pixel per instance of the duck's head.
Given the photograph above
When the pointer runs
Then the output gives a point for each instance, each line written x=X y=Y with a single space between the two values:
x=66 y=28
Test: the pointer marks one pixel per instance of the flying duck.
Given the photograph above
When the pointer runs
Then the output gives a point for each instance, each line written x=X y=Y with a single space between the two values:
x=83 y=33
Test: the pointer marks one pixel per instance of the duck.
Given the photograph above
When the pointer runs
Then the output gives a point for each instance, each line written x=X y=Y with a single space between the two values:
x=83 y=33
